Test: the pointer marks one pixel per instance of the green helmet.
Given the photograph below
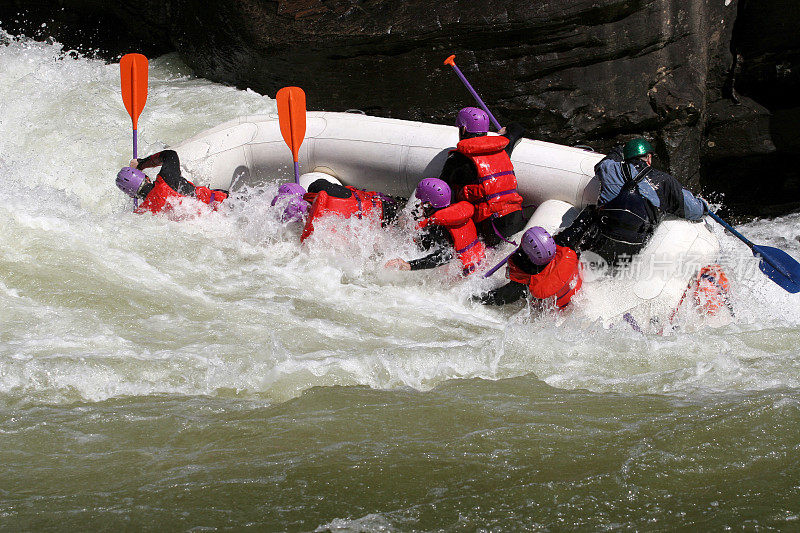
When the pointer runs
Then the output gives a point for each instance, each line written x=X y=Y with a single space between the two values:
x=636 y=148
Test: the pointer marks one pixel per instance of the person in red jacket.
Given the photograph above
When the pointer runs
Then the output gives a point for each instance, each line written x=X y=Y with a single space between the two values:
x=332 y=199
x=541 y=267
x=447 y=230
x=481 y=172
x=169 y=187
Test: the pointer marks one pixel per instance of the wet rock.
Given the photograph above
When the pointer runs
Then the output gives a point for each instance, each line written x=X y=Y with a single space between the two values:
x=731 y=126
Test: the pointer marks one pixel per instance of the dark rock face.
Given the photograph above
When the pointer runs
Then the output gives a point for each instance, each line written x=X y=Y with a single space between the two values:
x=711 y=84
x=751 y=150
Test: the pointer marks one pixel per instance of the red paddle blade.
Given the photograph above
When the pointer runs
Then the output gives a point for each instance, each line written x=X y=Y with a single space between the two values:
x=133 y=75
x=292 y=116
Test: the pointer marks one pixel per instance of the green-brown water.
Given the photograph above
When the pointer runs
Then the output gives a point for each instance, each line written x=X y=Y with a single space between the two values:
x=513 y=454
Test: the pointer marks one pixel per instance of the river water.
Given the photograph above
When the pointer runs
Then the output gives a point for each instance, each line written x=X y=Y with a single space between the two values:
x=210 y=373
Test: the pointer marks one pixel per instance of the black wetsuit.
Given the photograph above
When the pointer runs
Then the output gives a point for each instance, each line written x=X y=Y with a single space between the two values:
x=437 y=239
x=390 y=205
x=459 y=171
x=170 y=172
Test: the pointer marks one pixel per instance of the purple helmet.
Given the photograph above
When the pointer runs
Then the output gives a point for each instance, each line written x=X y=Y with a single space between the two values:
x=434 y=191
x=538 y=245
x=473 y=120
x=130 y=180
x=296 y=209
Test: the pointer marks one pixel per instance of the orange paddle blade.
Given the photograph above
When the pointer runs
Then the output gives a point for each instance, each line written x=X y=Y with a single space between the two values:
x=292 y=116
x=133 y=75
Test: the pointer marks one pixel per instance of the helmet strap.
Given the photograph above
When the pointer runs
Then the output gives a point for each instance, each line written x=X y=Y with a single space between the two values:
x=145 y=181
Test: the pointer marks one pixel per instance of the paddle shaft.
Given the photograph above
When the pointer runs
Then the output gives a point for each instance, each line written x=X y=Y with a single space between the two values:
x=452 y=63
x=135 y=156
x=730 y=228
x=750 y=245
x=498 y=265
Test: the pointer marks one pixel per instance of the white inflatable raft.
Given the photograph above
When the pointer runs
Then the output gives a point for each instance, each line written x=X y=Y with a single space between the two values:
x=391 y=156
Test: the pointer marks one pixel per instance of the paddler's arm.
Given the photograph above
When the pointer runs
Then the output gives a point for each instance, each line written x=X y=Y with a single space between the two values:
x=675 y=199
x=458 y=171
x=506 y=294
x=153 y=160
x=433 y=260
x=438 y=258
x=433 y=237
x=574 y=235
x=438 y=239
x=170 y=170
x=514 y=133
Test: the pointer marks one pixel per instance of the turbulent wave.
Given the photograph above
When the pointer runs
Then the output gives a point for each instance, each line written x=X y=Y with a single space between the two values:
x=97 y=302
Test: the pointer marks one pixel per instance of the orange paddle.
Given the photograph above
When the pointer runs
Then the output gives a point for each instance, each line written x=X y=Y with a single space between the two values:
x=292 y=118
x=133 y=79
x=133 y=75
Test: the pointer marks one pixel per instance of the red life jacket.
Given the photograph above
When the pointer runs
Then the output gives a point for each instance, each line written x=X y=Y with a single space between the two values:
x=360 y=204
x=561 y=277
x=495 y=194
x=163 y=196
x=457 y=218
x=711 y=290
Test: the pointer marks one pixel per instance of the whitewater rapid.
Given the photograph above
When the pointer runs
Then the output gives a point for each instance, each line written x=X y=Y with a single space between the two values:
x=97 y=303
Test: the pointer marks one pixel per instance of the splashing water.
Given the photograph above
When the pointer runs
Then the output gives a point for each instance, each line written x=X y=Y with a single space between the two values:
x=99 y=302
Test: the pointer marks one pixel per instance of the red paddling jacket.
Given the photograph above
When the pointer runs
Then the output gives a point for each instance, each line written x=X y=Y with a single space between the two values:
x=495 y=194
x=162 y=197
x=360 y=204
x=457 y=219
x=560 y=278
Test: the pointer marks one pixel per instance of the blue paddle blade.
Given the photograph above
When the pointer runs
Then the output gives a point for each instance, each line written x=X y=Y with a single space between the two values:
x=780 y=267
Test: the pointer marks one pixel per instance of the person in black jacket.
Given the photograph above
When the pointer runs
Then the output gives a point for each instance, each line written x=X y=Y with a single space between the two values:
x=633 y=199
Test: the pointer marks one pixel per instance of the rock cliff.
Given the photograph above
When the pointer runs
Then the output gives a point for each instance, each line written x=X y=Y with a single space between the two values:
x=710 y=82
